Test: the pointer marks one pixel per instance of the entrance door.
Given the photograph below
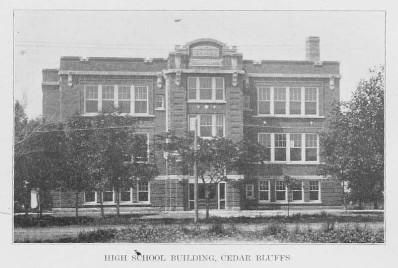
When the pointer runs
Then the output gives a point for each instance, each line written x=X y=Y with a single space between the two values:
x=221 y=195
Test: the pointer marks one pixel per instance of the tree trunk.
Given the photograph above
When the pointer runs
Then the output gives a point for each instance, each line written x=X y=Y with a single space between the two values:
x=102 y=206
x=77 y=204
x=117 y=203
x=288 y=202
x=207 y=202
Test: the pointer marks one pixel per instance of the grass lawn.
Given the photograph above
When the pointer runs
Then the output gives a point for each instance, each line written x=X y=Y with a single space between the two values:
x=316 y=228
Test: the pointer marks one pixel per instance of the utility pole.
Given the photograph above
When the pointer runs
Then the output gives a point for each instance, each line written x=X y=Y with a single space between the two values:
x=195 y=167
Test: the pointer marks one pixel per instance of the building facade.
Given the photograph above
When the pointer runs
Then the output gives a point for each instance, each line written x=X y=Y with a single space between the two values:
x=283 y=105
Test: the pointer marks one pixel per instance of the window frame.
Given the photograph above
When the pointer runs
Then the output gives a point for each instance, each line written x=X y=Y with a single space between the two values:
x=130 y=194
x=147 y=191
x=249 y=188
x=276 y=191
x=288 y=99
x=214 y=125
x=162 y=107
x=95 y=197
x=113 y=196
x=300 y=190
x=197 y=89
x=116 y=100
x=288 y=147
x=268 y=191
x=311 y=190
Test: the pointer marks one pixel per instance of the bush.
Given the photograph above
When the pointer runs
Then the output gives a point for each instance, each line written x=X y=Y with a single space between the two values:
x=274 y=228
x=98 y=236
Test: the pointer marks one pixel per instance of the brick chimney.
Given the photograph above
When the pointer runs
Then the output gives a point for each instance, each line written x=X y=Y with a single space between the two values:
x=312 y=52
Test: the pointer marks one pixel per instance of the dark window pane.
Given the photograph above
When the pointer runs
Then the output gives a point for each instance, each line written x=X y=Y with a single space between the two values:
x=280 y=195
x=263 y=195
x=191 y=191
x=222 y=190
x=311 y=154
x=295 y=154
x=205 y=131
x=107 y=106
x=280 y=154
x=140 y=107
x=143 y=196
x=219 y=94
x=89 y=196
x=124 y=106
x=295 y=107
x=108 y=196
x=220 y=131
x=314 y=195
x=280 y=107
x=310 y=108
x=264 y=107
x=125 y=196
x=297 y=195
x=205 y=93
x=91 y=106
x=192 y=94
x=201 y=191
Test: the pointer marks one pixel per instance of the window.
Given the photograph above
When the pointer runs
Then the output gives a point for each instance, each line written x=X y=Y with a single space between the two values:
x=210 y=125
x=264 y=100
x=314 y=190
x=211 y=191
x=297 y=191
x=280 y=147
x=108 y=98
x=206 y=89
x=124 y=99
x=90 y=196
x=91 y=101
x=295 y=147
x=311 y=147
x=141 y=100
x=125 y=194
x=159 y=102
x=263 y=190
x=280 y=191
x=143 y=191
x=264 y=139
x=107 y=195
x=141 y=146
x=280 y=100
x=311 y=101
x=295 y=100
x=290 y=147
x=249 y=191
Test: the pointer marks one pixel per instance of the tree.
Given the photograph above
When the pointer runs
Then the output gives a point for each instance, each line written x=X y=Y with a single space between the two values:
x=290 y=184
x=353 y=143
x=215 y=158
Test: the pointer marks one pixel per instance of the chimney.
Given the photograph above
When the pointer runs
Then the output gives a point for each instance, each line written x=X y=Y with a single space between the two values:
x=312 y=52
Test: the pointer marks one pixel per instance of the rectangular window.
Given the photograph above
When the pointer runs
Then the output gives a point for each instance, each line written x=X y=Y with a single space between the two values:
x=311 y=100
x=143 y=191
x=140 y=100
x=141 y=146
x=125 y=194
x=314 y=190
x=295 y=100
x=108 y=98
x=159 y=102
x=124 y=94
x=192 y=88
x=297 y=191
x=280 y=191
x=90 y=196
x=107 y=195
x=264 y=100
x=210 y=125
x=279 y=100
x=263 y=190
x=295 y=147
x=311 y=147
x=264 y=139
x=206 y=126
x=219 y=88
x=249 y=191
x=206 y=88
x=91 y=99
x=280 y=147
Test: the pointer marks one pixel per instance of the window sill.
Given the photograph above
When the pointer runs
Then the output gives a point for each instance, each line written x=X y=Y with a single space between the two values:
x=289 y=116
x=123 y=114
x=207 y=101
x=160 y=109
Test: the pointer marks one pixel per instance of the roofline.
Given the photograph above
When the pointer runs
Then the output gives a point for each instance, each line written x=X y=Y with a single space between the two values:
x=287 y=61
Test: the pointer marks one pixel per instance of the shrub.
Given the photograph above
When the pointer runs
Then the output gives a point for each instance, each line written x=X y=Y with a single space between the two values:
x=98 y=236
x=274 y=228
x=216 y=228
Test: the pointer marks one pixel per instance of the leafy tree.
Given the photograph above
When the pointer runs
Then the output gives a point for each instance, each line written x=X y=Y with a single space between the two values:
x=216 y=158
x=353 y=143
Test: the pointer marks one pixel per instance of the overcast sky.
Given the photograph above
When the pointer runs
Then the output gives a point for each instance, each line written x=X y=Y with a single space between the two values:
x=356 y=39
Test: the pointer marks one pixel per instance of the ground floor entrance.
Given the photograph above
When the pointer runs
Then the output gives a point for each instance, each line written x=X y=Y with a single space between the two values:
x=216 y=194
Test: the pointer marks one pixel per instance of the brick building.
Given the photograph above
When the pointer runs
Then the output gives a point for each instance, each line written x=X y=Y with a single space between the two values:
x=281 y=104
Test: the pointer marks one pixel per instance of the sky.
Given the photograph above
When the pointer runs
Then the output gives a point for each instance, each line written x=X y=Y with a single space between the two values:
x=354 y=38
